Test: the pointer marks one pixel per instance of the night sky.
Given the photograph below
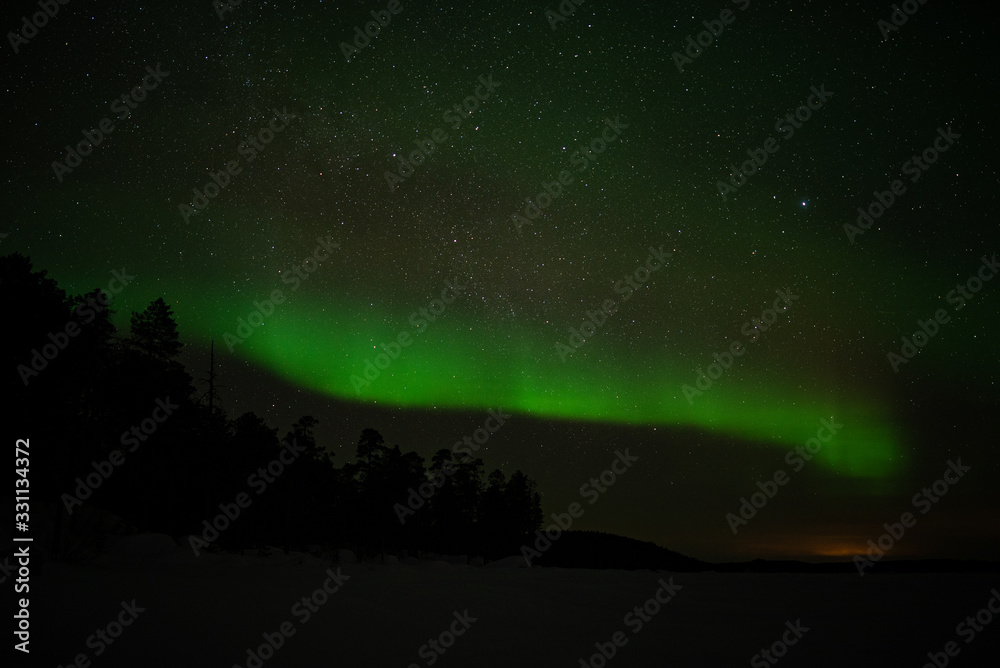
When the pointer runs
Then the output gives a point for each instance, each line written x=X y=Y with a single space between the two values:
x=631 y=151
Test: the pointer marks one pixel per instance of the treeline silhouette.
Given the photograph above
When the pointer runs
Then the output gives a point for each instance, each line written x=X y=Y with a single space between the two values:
x=117 y=430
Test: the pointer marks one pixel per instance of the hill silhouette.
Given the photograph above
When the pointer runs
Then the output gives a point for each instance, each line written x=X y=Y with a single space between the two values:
x=597 y=549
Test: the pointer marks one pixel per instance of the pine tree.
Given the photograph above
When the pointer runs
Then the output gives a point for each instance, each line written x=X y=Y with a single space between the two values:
x=154 y=331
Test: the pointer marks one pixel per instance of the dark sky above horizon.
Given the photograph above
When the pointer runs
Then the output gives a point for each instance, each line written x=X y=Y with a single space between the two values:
x=329 y=128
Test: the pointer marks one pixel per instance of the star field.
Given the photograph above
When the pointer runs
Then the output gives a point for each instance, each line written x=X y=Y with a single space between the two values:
x=454 y=219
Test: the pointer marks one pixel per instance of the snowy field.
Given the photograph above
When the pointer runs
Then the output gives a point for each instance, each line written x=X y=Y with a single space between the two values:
x=209 y=610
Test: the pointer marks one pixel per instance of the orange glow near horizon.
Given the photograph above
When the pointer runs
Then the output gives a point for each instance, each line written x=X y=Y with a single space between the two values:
x=838 y=550
x=816 y=548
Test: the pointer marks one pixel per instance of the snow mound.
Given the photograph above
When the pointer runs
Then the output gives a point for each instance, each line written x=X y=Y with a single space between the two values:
x=508 y=562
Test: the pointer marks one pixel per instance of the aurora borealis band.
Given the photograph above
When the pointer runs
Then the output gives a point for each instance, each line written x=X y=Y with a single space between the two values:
x=595 y=104
x=449 y=368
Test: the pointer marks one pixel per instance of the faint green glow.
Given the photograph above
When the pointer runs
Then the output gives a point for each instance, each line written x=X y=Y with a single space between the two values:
x=316 y=344
x=450 y=366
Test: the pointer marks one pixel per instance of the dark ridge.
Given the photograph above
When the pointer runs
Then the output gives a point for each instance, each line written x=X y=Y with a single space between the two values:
x=601 y=550
x=596 y=549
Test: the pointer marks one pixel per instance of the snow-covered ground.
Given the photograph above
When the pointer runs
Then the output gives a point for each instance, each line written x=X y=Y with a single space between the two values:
x=207 y=611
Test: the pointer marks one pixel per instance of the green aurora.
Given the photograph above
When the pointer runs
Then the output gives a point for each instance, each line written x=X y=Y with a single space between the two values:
x=449 y=367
